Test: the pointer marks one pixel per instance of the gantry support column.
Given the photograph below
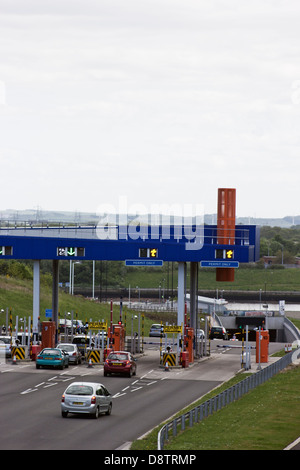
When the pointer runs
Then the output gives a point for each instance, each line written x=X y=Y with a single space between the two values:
x=55 y=281
x=181 y=293
x=36 y=299
x=193 y=294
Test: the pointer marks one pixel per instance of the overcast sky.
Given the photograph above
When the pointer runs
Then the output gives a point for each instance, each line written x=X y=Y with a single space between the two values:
x=157 y=101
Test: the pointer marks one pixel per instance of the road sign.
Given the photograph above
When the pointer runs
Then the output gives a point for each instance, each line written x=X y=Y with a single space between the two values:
x=97 y=325
x=70 y=251
x=48 y=312
x=172 y=329
x=144 y=262
x=220 y=253
x=219 y=264
x=148 y=252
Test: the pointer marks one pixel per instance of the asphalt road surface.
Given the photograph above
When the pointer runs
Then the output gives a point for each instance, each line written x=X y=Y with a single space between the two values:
x=30 y=401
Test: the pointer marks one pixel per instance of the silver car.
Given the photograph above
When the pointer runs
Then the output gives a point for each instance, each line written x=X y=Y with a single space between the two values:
x=72 y=351
x=5 y=342
x=86 y=397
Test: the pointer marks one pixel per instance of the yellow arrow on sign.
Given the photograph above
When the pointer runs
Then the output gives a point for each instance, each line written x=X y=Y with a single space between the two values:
x=229 y=254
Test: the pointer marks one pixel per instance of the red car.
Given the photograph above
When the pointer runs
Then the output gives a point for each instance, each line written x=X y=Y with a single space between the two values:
x=120 y=362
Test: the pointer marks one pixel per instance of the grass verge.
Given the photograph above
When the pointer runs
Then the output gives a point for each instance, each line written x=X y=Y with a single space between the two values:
x=267 y=418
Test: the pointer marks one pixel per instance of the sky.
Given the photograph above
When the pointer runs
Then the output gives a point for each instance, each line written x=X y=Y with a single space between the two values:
x=156 y=102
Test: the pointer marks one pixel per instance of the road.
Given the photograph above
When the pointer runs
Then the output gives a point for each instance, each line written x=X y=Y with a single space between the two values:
x=30 y=401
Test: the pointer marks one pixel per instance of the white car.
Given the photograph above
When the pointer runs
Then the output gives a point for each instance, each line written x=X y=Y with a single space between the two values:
x=5 y=342
x=86 y=397
x=72 y=351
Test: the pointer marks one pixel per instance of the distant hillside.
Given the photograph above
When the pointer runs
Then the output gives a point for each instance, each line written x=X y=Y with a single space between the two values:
x=39 y=215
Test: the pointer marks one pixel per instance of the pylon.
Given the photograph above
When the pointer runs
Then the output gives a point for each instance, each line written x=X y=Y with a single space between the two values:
x=166 y=366
x=90 y=363
x=14 y=360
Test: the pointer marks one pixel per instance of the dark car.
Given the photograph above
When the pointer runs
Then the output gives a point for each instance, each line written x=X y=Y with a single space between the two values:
x=120 y=362
x=218 y=332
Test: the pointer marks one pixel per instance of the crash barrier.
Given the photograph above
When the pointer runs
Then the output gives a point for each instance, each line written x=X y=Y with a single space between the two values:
x=19 y=352
x=169 y=358
x=224 y=398
x=95 y=355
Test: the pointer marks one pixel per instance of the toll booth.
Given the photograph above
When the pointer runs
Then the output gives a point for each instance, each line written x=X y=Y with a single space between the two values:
x=48 y=334
x=190 y=343
x=262 y=346
x=117 y=338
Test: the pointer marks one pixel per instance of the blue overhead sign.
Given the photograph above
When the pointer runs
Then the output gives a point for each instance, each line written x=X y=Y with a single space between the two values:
x=145 y=244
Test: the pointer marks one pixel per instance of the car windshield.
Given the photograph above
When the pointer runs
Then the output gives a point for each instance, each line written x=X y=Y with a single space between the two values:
x=50 y=352
x=79 y=390
x=5 y=340
x=119 y=357
x=81 y=340
x=217 y=329
x=155 y=327
x=66 y=347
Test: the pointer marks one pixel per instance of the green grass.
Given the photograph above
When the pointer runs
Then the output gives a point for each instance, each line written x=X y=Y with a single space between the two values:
x=245 y=279
x=17 y=296
x=267 y=418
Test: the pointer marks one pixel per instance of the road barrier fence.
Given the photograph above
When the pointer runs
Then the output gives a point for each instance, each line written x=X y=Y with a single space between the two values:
x=231 y=394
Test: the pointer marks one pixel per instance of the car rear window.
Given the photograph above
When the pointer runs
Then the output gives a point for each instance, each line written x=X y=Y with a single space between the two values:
x=66 y=347
x=119 y=357
x=79 y=390
x=50 y=352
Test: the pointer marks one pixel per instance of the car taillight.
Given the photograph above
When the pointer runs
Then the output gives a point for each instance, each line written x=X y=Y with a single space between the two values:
x=93 y=400
x=74 y=354
x=63 y=399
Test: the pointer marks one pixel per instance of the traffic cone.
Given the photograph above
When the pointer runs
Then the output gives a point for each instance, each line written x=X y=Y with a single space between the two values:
x=90 y=364
x=14 y=360
x=166 y=367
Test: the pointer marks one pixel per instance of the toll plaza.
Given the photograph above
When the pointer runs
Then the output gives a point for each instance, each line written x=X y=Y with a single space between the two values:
x=222 y=246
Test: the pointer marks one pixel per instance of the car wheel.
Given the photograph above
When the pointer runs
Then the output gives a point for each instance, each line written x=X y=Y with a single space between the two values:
x=96 y=414
x=64 y=414
x=109 y=409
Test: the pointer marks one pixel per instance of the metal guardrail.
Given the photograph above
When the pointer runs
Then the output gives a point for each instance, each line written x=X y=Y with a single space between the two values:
x=210 y=234
x=200 y=412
